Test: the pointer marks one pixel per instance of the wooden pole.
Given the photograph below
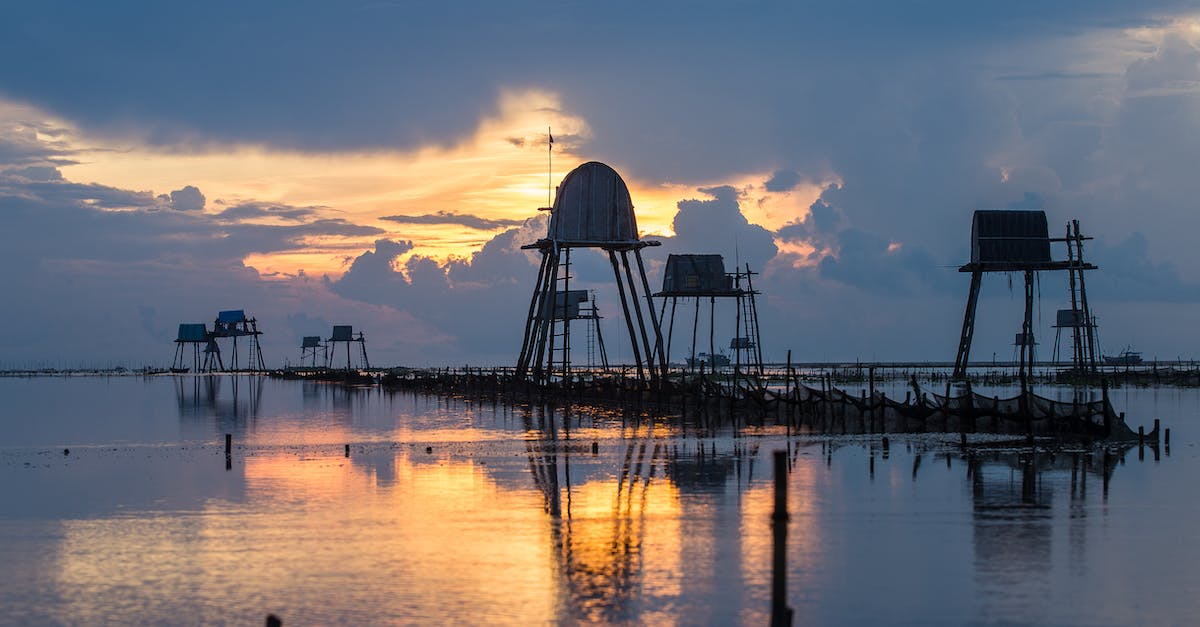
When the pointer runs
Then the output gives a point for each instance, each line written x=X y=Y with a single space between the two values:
x=781 y=614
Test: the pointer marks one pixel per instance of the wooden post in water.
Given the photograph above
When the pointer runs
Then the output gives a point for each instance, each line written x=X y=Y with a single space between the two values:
x=781 y=614
x=347 y=450
x=228 y=451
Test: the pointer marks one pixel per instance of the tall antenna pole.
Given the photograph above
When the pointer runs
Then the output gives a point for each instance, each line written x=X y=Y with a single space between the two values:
x=549 y=168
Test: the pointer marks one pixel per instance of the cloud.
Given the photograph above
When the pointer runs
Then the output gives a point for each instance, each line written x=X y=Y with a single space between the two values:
x=716 y=225
x=783 y=180
x=253 y=210
x=1129 y=274
x=445 y=217
x=35 y=174
x=187 y=199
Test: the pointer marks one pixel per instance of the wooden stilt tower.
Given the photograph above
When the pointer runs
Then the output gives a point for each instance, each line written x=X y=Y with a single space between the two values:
x=191 y=336
x=592 y=209
x=344 y=334
x=1017 y=241
x=233 y=323
x=704 y=277
x=309 y=346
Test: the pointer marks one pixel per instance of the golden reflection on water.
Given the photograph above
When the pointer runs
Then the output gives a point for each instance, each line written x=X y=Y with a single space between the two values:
x=322 y=535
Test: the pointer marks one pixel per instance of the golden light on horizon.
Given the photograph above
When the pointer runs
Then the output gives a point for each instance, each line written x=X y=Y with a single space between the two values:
x=449 y=199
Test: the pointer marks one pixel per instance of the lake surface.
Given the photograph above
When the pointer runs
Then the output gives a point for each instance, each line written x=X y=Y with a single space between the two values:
x=453 y=511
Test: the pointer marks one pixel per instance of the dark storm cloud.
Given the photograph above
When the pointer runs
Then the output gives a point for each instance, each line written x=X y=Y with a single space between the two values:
x=445 y=217
x=444 y=63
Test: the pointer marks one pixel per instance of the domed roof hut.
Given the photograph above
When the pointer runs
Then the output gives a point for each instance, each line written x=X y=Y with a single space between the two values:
x=592 y=209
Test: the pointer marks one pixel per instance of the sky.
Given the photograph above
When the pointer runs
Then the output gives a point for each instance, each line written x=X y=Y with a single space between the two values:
x=380 y=164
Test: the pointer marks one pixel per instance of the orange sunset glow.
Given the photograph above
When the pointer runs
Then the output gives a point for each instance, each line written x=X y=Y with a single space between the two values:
x=497 y=173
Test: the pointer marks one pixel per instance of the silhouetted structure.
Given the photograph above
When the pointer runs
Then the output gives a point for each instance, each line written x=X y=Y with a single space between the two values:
x=309 y=345
x=344 y=334
x=592 y=209
x=234 y=324
x=704 y=276
x=1019 y=241
x=1023 y=341
x=581 y=305
x=192 y=335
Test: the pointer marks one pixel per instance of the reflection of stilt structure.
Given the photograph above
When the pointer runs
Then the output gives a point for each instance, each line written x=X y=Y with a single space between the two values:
x=201 y=399
x=1013 y=241
x=700 y=276
x=233 y=323
x=309 y=346
x=344 y=334
x=591 y=210
x=192 y=335
x=599 y=545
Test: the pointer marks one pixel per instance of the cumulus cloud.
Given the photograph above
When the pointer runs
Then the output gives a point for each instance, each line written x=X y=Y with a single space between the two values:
x=716 y=225
x=187 y=199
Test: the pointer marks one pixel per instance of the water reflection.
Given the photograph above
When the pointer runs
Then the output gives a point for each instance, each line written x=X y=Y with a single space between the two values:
x=452 y=511
x=227 y=402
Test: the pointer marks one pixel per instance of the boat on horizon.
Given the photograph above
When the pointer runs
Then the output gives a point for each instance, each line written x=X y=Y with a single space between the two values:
x=712 y=361
x=1127 y=357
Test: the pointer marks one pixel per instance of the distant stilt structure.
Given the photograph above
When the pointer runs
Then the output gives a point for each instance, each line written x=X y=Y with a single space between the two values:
x=1021 y=341
x=233 y=324
x=704 y=276
x=190 y=335
x=344 y=334
x=592 y=209
x=309 y=346
x=212 y=356
x=1016 y=241
x=597 y=355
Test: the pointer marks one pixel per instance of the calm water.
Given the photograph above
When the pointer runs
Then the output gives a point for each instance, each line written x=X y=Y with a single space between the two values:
x=449 y=511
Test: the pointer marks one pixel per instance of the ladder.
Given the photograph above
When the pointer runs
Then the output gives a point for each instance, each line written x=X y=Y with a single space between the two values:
x=559 y=351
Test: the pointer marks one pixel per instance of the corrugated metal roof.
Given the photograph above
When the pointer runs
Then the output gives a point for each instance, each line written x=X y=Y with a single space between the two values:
x=342 y=333
x=593 y=207
x=311 y=341
x=1010 y=237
